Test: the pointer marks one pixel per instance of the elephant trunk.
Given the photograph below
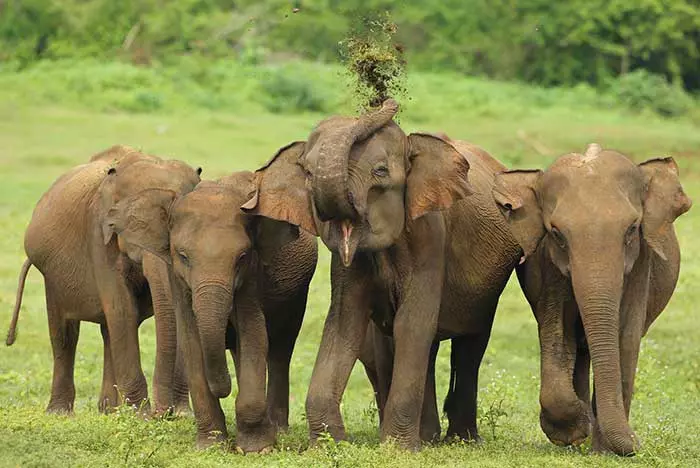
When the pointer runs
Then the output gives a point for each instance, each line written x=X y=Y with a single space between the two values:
x=597 y=282
x=331 y=196
x=212 y=304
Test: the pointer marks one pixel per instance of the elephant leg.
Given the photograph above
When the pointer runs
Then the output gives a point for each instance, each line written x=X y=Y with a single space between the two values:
x=209 y=417
x=430 y=419
x=461 y=403
x=121 y=311
x=181 y=393
x=413 y=343
x=255 y=431
x=343 y=334
x=109 y=397
x=279 y=357
x=64 y=340
x=369 y=363
x=582 y=372
x=564 y=416
x=155 y=271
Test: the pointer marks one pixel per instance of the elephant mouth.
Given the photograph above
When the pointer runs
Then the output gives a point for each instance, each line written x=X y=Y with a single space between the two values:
x=347 y=239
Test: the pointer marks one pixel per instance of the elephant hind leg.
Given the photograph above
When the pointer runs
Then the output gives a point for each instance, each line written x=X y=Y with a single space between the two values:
x=460 y=404
x=64 y=340
x=109 y=397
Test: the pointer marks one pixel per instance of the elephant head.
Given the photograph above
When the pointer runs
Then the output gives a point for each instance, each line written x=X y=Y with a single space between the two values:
x=132 y=175
x=212 y=247
x=358 y=181
x=591 y=215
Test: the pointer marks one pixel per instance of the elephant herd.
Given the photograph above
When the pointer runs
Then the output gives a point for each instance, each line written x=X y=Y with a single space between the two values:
x=424 y=233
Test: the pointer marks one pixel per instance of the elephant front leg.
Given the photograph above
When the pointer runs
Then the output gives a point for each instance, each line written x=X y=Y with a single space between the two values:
x=343 y=334
x=256 y=432
x=156 y=273
x=121 y=312
x=180 y=392
x=413 y=340
x=109 y=397
x=430 y=419
x=209 y=417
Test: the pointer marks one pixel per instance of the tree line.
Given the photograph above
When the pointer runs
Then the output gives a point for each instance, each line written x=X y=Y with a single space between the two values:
x=539 y=41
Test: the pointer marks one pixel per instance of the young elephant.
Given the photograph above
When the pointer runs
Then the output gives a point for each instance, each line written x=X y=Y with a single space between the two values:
x=90 y=274
x=407 y=252
x=602 y=263
x=239 y=282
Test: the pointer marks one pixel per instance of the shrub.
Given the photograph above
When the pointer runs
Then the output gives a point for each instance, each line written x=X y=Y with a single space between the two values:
x=641 y=90
x=288 y=90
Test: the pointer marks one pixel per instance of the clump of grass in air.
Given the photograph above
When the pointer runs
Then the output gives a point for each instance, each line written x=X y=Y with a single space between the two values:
x=375 y=62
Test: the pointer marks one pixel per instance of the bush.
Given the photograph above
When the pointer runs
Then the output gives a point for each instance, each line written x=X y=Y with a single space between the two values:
x=641 y=90
x=289 y=90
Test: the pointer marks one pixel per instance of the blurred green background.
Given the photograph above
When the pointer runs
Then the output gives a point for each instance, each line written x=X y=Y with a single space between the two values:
x=222 y=85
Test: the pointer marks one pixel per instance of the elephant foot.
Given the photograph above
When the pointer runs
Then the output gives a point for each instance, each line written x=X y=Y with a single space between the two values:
x=335 y=432
x=470 y=435
x=565 y=432
x=430 y=435
x=255 y=439
x=409 y=443
x=280 y=419
x=599 y=444
x=210 y=439
x=62 y=408
x=182 y=410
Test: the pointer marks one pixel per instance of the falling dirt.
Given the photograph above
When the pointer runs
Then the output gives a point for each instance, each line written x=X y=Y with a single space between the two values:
x=375 y=62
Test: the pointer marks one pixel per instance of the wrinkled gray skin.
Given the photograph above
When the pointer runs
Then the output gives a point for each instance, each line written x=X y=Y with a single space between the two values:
x=602 y=263
x=240 y=282
x=407 y=252
x=93 y=275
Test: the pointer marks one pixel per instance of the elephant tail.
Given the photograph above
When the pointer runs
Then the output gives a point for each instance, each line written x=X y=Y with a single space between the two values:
x=12 y=332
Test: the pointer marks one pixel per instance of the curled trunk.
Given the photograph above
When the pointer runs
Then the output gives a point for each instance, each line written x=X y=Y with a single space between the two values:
x=212 y=307
x=598 y=287
x=330 y=182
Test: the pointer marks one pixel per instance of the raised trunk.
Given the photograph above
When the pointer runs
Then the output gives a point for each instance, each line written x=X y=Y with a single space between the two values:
x=330 y=182
x=597 y=284
x=212 y=305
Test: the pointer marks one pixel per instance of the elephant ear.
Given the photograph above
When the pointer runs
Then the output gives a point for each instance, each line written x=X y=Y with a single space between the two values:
x=271 y=235
x=143 y=219
x=437 y=176
x=515 y=193
x=281 y=193
x=664 y=201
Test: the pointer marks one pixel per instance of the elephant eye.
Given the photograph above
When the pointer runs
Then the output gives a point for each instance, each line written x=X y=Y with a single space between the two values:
x=381 y=171
x=183 y=257
x=558 y=237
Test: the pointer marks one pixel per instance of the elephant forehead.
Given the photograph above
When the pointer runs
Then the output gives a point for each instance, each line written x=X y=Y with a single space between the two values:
x=151 y=174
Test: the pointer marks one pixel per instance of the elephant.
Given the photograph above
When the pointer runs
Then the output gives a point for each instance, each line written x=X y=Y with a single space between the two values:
x=239 y=281
x=91 y=274
x=602 y=261
x=414 y=247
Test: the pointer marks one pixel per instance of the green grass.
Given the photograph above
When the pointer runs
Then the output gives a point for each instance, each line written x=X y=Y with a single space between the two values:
x=44 y=134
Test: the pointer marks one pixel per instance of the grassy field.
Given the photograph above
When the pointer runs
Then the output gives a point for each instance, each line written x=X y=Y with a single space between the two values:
x=44 y=133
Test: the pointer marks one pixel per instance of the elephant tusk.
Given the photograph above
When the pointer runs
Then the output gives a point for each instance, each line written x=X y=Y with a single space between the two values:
x=346 y=228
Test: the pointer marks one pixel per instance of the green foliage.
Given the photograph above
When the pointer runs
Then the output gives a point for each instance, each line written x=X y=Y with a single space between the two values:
x=643 y=90
x=288 y=89
x=375 y=62
x=549 y=43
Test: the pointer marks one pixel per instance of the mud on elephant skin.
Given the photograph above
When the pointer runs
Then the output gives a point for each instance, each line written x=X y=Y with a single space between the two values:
x=602 y=261
x=91 y=274
x=240 y=281
x=407 y=252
